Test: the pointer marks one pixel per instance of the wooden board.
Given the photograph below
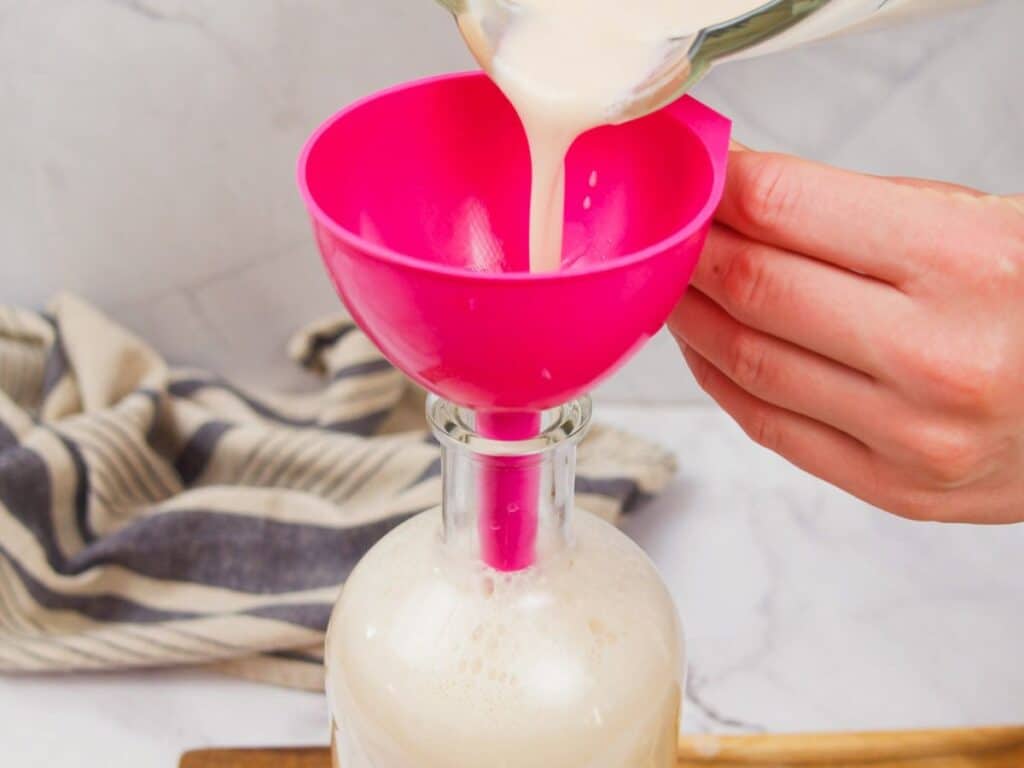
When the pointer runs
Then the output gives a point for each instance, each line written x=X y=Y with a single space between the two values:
x=964 y=748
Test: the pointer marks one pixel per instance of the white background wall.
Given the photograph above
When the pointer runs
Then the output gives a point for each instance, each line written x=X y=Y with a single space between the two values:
x=147 y=147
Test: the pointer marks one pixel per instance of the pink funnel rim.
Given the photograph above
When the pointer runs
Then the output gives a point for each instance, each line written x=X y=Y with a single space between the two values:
x=385 y=254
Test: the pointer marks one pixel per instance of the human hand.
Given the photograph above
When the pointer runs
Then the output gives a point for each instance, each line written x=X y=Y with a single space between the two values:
x=869 y=330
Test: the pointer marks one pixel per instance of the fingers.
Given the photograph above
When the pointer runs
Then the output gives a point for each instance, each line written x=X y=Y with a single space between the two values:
x=782 y=374
x=814 y=447
x=935 y=186
x=847 y=463
x=837 y=314
x=853 y=221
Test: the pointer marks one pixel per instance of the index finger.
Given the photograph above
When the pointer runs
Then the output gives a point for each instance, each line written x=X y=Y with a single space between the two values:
x=865 y=224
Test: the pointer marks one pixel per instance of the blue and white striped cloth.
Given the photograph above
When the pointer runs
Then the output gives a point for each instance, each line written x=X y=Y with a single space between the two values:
x=153 y=516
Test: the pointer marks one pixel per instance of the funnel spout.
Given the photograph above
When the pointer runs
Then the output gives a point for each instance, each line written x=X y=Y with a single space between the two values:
x=509 y=493
x=507 y=501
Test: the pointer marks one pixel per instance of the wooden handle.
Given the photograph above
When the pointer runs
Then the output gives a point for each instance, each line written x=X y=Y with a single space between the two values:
x=305 y=757
x=955 y=748
x=962 y=748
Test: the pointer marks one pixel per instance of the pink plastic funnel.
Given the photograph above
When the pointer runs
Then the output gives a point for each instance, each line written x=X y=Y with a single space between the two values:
x=419 y=197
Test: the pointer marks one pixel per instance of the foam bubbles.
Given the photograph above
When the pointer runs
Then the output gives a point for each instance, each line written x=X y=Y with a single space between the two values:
x=494 y=661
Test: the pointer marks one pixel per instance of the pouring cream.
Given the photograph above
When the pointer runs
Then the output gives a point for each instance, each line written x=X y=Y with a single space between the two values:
x=571 y=65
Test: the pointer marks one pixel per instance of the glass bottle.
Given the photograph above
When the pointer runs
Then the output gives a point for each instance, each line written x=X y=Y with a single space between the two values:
x=436 y=660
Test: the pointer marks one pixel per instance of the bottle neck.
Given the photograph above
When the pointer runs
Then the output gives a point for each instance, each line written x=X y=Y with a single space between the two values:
x=508 y=503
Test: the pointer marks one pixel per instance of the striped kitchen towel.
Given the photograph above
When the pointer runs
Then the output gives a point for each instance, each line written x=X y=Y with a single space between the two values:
x=154 y=516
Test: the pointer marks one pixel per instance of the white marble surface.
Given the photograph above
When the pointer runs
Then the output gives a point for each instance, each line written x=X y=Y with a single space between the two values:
x=804 y=610
x=148 y=147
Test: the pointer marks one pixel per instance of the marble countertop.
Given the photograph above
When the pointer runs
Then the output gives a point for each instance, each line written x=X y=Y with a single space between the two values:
x=804 y=610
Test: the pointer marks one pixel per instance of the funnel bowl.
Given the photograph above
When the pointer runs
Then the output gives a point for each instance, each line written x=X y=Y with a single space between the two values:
x=419 y=198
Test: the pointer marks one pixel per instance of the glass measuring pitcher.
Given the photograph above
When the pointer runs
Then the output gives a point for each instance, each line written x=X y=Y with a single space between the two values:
x=740 y=28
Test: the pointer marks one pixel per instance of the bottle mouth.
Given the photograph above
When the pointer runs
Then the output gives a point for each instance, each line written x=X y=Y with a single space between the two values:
x=455 y=427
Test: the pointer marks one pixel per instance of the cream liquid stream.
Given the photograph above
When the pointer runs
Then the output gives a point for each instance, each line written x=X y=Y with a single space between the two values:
x=570 y=65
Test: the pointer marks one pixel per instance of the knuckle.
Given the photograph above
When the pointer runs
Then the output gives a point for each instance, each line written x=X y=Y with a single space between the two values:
x=949 y=457
x=1007 y=224
x=971 y=383
x=747 y=362
x=997 y=242
x=701 y=370
x=770 y=195
x=924 y=505
x=765 y=428
x=917 y=506
x=702 y=373
x=746 y=283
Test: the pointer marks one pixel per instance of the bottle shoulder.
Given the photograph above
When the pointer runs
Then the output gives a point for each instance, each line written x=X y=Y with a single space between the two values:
x=592 y=630
x=602 y=577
